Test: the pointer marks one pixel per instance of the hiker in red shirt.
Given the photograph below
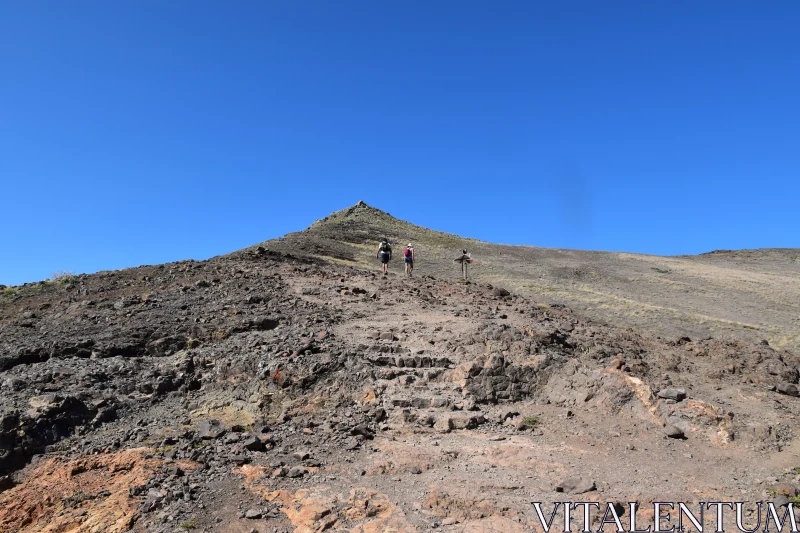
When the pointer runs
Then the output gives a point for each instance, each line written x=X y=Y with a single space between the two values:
x=408 y=259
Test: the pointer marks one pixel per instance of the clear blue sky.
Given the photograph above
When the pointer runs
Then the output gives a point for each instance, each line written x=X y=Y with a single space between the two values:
x=143 y=132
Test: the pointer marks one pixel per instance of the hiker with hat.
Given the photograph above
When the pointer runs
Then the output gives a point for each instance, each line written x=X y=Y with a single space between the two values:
x=408 y=259
x=384 y=254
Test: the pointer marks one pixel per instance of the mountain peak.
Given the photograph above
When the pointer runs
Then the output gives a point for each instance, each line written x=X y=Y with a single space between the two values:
x=359 y=210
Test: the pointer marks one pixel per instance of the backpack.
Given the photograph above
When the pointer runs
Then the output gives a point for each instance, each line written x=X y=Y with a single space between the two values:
x=407 y=253
x=386 y=248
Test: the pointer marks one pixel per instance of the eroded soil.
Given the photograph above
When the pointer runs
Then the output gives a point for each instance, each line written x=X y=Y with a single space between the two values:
x=272 y=392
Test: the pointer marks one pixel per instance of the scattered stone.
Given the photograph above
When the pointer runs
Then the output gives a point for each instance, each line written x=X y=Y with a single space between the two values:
x=449 y=422
x=506 y=414
x=296 y=471
x=523 y=424
x=672 y=394
x=363 y=430
x=785 y=488
x=576 y=485
x=781 y=500
x=174 y=471
x=253 y=444
x=211 y=429
x=674 y=432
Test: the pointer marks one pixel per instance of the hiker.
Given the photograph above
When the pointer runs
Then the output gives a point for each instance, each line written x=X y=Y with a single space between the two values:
x=408 y=259
x=384 y=254
x=465 y=259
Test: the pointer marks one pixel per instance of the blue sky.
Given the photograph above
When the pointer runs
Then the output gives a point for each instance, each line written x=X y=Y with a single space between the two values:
x=143 y=132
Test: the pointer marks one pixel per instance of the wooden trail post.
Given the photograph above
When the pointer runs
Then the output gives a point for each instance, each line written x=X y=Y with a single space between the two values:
x=465 y=260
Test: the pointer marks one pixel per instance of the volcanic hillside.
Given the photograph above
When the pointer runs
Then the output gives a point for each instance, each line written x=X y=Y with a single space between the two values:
x=290 y=387
x=745 y=294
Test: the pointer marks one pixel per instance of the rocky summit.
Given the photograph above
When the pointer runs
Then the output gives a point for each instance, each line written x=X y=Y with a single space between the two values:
x=291 y=387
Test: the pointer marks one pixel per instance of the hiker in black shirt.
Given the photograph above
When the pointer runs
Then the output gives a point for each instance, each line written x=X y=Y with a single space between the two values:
x=384 y=254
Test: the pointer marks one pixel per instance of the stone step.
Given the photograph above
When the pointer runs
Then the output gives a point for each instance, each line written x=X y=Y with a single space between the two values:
x=443 y=421
x=408 y=375
x=415 y=361
x=420 y=402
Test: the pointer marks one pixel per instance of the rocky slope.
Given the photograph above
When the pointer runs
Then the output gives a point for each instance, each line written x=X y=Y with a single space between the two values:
x=282 y=388
x=742 y=294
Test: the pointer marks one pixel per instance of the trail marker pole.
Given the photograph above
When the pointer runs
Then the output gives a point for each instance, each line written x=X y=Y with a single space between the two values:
x=465 y=259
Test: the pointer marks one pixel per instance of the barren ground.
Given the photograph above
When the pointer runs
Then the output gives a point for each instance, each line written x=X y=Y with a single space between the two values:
x=292 y=388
